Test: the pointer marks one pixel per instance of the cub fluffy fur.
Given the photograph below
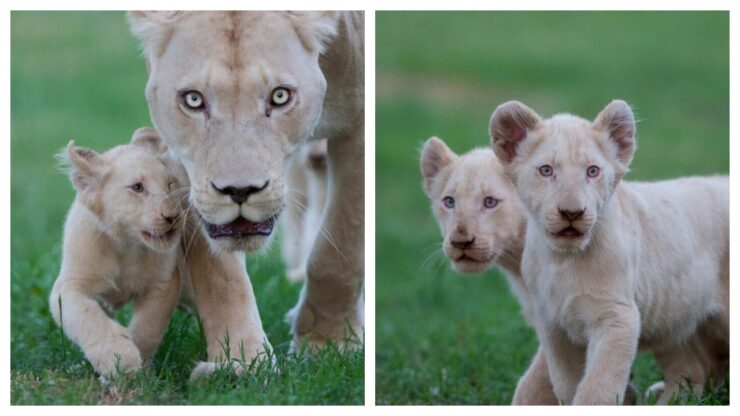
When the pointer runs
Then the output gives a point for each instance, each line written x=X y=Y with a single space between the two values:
x=121 y=243
x=610 y=263
x=483 y=224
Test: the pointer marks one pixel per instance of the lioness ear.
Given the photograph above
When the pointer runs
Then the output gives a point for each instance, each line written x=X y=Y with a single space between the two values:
x=434 y=157
x=83 y=164
x=148 y=138
x=315 y=28
x=510 y=124
x=617 y=120
x=153 y=29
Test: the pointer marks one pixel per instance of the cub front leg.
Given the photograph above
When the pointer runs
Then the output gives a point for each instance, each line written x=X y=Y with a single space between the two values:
x=104 y=341
x=226 y=305
x=612 y=347
x=684 y=365
x=565 y=363
x=535 y=387
x=331 y=303
x=152 y=314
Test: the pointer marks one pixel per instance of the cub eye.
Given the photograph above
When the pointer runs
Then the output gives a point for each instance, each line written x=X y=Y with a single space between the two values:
x=546 y=170
x=449 y=202
x=193 y=100
x=138 y=187
x=280 y=96
x=490 y=202
x=593 y=171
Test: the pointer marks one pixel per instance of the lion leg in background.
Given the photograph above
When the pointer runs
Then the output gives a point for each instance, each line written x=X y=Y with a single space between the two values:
x=295 y=216
x=307 y=183
x=331 y=302
x=685 y=366
x=535 y=387
x=226 y=304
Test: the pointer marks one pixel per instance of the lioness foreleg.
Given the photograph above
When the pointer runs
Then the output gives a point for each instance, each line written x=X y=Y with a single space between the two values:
x=226 y=305
x=330 y=307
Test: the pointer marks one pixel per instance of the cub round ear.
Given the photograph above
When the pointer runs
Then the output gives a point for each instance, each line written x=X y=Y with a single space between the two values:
x=509 y=126
x=315 y=28
x=618 y=121
x=83 y=165
x=434 y=157
x=148 y=138
x=153 y=29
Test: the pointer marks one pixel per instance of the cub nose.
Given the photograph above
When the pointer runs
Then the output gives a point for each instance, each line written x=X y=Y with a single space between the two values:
x=571 y=215
x=170 y=218
x=462 y=244
x=240 y=195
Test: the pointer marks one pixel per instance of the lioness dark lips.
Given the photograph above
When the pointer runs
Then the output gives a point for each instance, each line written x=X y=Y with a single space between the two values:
x=569 y=232
x=160 y=237
x=241 y=227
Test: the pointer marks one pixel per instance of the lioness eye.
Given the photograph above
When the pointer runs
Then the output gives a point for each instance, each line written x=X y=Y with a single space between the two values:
x=592 y=171
x=490 y=202
x=138 y=187
x=193 y=99
x=449 y=202
x=280 y=96
x=546 y=170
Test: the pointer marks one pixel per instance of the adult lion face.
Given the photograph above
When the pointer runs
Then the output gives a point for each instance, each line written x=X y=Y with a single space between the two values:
x=233 y=94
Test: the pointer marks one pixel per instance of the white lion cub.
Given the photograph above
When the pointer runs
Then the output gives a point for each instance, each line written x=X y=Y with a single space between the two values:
x=610 y=263
x=121 y=243
x=483 y=223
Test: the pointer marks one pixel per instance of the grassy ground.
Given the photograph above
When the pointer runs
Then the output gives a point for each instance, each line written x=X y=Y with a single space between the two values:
x=79 y=75
x=448 y=338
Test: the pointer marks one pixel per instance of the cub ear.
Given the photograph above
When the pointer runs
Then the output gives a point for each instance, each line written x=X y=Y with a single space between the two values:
x=153 y=29
x=315 y=28
x=618 y=121
x=148 y=138
x=510 y=124
x=82 y=164
x=434 y=157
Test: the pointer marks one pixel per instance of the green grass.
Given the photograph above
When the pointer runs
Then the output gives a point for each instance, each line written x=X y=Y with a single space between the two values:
x=79 y=75
x=445 y=338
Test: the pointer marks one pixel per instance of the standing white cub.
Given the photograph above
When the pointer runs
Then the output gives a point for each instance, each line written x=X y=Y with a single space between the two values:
x=121 y=243
x=483 y=224
x=611 y=263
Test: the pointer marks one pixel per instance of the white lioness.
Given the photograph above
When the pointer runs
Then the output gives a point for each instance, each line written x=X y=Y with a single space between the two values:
x=483 y=224
x=233 y=94
x=121 y=243
x=608 y=262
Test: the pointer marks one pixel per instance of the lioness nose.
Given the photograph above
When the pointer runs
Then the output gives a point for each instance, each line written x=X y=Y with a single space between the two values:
x=240 y=195
x=462 y=244
x=571 y=215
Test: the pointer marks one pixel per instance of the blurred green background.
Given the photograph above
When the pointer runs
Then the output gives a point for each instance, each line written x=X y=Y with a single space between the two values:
x=443 y=337
x=80 y=76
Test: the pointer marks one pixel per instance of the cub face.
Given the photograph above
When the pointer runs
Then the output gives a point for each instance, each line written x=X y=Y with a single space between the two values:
x=133 y=190
x=475 y=204
x=565 y=168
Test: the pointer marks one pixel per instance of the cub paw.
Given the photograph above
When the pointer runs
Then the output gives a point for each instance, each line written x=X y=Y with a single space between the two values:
x=105 y=356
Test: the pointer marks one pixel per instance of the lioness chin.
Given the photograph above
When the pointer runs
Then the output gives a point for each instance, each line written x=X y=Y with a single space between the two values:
x=610 y=263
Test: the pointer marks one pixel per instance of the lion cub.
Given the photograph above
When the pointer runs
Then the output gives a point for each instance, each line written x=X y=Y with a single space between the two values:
x=611 y=264
x=121 y=243
x=483 y=224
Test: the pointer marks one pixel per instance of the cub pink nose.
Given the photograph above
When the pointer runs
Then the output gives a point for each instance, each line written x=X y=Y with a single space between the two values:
x=571 y=215
x=462 y=244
